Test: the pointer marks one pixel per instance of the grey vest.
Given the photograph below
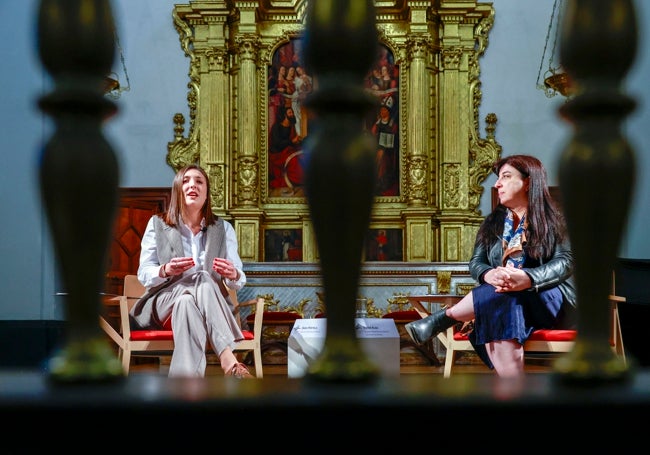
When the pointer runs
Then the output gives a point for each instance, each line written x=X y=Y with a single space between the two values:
x=169 y=245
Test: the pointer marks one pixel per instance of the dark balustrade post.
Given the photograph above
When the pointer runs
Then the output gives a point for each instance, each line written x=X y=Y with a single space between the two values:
x=79 y=176
x=596 y=172
x=340 y=46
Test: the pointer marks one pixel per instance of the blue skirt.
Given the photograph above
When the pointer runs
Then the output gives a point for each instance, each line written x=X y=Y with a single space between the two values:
x=512 y=315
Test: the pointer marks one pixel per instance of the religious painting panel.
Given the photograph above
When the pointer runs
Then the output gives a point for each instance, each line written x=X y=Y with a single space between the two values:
x=283 y=245
x=382 y=82
x=384 y=245
x=288 y=86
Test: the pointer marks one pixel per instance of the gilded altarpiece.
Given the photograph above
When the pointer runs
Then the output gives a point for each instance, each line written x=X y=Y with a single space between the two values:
x=442 y=160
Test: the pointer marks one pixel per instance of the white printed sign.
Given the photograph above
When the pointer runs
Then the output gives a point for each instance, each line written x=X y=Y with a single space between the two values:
x=378 y=338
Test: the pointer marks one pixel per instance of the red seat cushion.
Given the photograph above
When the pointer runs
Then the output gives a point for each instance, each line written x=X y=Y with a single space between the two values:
x=160 y=335
x=151 y=335
x=553 y=335
x=409 y=315
x=537 y=335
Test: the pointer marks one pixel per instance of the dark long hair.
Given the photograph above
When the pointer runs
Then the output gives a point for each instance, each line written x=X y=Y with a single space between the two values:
x=177 y=201
x=546 y=222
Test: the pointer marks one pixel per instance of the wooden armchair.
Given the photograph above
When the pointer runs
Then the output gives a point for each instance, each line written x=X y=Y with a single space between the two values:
x=157 y=343
x=541 y=341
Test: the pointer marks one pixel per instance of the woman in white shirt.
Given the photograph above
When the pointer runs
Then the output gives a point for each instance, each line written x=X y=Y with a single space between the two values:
x=188 y=258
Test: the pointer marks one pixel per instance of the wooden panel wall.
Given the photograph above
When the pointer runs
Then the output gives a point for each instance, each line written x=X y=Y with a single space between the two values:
x=136 y=206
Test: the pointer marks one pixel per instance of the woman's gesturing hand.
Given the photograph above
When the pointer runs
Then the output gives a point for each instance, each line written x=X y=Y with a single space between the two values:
x=225 y=268
x=177 y=266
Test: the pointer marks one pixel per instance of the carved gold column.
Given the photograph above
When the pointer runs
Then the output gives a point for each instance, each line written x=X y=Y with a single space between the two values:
x=418 y=126
x=79 y=173
x=599 y=42
x=215 y=105
x=451 y=182
x=245 y=155
x=421 y=246
x=463 y=29
x=248 y=120
x=247 y=163
x=215 y=108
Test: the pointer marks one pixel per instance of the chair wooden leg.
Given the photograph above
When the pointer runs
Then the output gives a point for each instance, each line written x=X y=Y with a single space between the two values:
x=257 y=356
x=450 y=358
x=126 y=360
x=618 y=337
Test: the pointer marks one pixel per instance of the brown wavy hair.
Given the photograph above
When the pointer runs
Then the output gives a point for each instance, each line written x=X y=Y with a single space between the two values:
x=173 y=215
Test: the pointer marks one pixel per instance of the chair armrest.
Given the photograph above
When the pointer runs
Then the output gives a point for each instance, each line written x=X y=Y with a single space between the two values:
x=249 y=302
x=124 y=316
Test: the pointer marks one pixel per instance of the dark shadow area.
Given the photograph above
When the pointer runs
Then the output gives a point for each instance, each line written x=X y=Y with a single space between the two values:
x=28 y=344
x=632 y=278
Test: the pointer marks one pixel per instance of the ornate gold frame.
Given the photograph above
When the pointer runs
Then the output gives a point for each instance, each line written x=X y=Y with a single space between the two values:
x=443 y=159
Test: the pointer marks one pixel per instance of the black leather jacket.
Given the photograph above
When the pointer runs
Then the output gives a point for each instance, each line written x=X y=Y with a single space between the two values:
x=556 y=271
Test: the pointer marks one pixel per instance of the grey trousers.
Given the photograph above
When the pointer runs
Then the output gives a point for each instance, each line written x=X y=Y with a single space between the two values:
x=199 y=313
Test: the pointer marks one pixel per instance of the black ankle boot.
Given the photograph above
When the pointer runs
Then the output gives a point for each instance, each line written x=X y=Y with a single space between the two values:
x=424 y=329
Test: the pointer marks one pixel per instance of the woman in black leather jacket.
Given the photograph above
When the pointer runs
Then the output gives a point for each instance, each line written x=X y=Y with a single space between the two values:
x=523 y=263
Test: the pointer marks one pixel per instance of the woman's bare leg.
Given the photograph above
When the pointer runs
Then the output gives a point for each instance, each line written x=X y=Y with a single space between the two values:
x=464 y=310
x=507 y=356
x=227 y=359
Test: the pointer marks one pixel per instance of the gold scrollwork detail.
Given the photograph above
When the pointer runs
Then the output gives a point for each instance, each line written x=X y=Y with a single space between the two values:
x=372 y=310
x=451 y=196
x=247 y=193
x=417 y=183
x=185 y=33
x=217 y=59
x=417 y=47
x=248 y=46
x=451 y=58
x=464 y=288
x=181 y=151
x=482 y=31
x=443 y=281
x=483 y=154
x=399 y=302
x=217 y=185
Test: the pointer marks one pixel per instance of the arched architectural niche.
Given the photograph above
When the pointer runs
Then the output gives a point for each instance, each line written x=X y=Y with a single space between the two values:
x=443 y=159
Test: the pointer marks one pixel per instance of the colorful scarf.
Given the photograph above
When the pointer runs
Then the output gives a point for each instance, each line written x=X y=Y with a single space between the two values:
x=514 y=241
